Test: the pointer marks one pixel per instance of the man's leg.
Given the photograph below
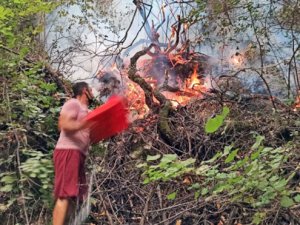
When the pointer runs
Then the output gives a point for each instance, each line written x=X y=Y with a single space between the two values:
x=60 y=211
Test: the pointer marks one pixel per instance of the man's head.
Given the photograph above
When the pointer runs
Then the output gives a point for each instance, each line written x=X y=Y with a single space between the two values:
x=82 y=89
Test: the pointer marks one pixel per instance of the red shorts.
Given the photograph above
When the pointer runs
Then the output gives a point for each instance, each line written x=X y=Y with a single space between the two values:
x=70 y=180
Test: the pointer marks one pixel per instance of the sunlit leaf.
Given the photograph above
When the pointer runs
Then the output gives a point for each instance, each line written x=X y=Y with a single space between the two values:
x=213 y=124
x=168 y=157
x=286 y=202
x=172 y=196
x=153 y=157
x=141 y=165
x=297 y=198
x=231 y=156
x=204 y=191
x=8 y=179
x=258 y=142
x=6 y=188
x=225 y=111
x=258 y=217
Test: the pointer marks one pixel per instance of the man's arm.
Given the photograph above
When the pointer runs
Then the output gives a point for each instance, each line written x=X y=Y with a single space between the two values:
x=68 y=117
x=69 y=124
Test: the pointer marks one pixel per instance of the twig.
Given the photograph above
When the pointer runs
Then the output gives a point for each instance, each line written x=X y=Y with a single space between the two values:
x=177 y=36
x=145 y=211
x=161 y=203
x=106 y=211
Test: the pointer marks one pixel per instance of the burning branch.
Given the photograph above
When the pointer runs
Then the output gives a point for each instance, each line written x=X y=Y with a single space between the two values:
x=163 y=127
x=177 y=36
x=149 y=92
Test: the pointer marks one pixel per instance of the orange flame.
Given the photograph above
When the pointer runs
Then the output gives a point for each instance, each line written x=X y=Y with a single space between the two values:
x=177 y=58
x=237 y=59
x=114 y=67
x=297 y=102
x=189 y=88
x=194 y=78
x=186 y=26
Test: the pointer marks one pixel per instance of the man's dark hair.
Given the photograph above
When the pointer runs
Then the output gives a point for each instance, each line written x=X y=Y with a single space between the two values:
x=78 y=88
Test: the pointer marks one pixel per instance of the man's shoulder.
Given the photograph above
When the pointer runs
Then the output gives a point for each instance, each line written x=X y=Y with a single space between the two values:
x=72 y=101
x=71 y=104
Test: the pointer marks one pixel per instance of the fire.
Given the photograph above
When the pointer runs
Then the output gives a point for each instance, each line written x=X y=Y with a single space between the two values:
x=297 y=102
x=191 y=87
x=187 y=88
x=194 y=78
x=114 y=67
x=186 y=26
x=177 y=59
x=136 y=101
x=151 y=81
x=237 y=59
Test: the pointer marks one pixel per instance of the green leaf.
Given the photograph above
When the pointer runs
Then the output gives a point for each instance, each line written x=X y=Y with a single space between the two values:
x=153 y=158
x=202 y=169
x=222 y=187
x=221 y=176
x=172 y=196
x=256 y=154
x=146 y=181
x=280 y=185
x=297 y=198
x=6 y=188
x=188 y=162
x=168 y=158
x=227 y=149
x=5 y=12
x=213 y=124
x=258 y=142
x=216 y=156
x=8 y=179
x=197 y=194
x=141 y=165
x=204 y=191
x=286 y=202
x=225 y=111
x=274 y=178
x=240 y=163
x=258 y=217
x=195 y=186
x=23 y=51
x=231 y=156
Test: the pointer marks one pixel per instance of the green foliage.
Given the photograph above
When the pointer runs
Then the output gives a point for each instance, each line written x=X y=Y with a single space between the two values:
x=18 y=21
x=29 y=108
x=254 y=177
x=213 y=124
x=168 y=167
x=172 y=195
x=39 y=168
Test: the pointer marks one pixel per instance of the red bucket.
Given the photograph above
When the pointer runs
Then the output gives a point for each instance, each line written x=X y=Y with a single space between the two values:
x=108 y=119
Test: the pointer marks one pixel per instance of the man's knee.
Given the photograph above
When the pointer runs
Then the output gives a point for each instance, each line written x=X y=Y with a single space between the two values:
x=62 y=202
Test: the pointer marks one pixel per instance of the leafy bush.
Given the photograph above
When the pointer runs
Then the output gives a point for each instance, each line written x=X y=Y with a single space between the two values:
x=28 y=113
x=255 y=177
